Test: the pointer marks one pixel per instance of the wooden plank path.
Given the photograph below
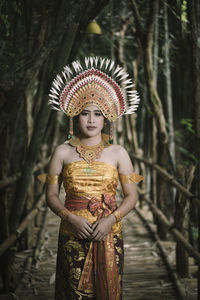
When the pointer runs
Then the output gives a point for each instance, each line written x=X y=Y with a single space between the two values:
x=145 y=275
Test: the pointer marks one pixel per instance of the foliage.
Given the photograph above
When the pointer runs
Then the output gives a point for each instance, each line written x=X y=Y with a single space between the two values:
x=185 y=140
x=189 y=124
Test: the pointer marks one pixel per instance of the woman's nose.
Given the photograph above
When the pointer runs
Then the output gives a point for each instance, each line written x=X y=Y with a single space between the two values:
x=91 y=118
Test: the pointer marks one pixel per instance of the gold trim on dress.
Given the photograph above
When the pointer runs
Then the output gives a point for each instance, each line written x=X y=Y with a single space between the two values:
x=131 y=178
x=50 y=179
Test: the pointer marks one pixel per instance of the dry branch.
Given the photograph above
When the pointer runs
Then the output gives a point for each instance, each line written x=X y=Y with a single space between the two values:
x=13 y=237
x=177 y=235
x=7 y=181
x=170 y=179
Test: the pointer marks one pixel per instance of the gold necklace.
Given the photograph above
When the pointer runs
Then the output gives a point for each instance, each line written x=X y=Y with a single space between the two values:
x=89 y=153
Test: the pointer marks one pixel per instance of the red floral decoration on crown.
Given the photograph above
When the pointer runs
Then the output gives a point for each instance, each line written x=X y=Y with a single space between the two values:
x=98 y=83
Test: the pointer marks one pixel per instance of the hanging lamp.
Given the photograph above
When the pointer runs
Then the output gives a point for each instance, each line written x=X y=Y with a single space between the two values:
x=93 y=28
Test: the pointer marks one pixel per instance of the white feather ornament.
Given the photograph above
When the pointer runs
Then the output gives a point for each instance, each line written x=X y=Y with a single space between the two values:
x=105 y=80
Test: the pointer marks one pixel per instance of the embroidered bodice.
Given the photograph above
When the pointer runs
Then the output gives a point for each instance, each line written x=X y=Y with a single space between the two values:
x=90 y=190
x=81 y=179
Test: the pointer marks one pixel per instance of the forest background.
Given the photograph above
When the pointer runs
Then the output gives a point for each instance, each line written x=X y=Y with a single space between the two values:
x=157 y=42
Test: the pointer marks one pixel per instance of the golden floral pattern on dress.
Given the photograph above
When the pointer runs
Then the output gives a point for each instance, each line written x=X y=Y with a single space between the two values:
x=119 y=250
x=75 y=274
x=67 y=282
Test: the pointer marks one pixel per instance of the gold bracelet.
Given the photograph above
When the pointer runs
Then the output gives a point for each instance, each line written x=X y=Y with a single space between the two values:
x=118 y=215
x=63 y=213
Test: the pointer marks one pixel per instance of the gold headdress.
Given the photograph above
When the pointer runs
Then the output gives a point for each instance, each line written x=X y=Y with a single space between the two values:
x=97 y=82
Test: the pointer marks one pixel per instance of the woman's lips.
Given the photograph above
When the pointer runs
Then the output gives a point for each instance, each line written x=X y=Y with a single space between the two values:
x=91 y=127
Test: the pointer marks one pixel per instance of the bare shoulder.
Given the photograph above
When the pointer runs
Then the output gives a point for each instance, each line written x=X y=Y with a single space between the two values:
x=118 y=150
x=62 y=150
x=58 y=157
x=124 y=163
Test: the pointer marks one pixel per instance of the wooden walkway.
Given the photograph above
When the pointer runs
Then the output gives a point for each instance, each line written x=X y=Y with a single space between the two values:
x=145 y=275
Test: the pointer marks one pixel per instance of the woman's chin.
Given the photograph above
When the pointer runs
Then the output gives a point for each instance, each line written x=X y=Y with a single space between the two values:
x=90 y=133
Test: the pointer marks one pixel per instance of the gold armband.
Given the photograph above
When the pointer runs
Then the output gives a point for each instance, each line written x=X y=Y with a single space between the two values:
x=50 y=179
x=63 y=213
x=118 y=215
x=132 y=178
x=53 y=179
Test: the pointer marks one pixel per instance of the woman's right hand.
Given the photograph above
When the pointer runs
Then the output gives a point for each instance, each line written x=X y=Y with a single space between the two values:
x=82 y=227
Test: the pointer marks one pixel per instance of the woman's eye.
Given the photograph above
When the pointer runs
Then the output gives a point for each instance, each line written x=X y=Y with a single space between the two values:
x=98 y=114
x=84 y=113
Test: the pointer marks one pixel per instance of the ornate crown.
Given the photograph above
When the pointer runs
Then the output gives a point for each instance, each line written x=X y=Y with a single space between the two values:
x=98 y=83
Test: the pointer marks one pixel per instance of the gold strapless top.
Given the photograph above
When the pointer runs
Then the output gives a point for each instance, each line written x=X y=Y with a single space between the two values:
x=93 y=180
x=85 y=181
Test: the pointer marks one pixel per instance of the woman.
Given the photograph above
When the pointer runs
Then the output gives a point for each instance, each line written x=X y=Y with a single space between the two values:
x=90 y=247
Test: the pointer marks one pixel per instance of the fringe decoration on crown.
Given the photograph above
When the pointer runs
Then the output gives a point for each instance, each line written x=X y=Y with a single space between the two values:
x=114 y=81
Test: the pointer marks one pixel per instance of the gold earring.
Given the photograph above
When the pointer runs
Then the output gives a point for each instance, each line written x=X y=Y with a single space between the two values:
x=71 y=130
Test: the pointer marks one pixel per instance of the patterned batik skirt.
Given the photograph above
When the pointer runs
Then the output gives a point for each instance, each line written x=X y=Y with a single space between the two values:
x=89 y=270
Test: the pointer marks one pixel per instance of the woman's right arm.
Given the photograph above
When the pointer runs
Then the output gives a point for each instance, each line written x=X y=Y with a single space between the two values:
x=53 y=188
x=81 y=226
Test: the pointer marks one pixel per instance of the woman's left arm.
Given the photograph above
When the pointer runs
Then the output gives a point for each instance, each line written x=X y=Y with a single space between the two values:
x=102 y=227
x=125 y=168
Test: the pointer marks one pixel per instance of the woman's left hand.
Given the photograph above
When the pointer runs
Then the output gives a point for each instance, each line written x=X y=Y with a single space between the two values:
x=102 y=227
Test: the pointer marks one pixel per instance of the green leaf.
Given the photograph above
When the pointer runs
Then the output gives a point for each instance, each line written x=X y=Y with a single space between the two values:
x=188 y=154
x=189 y=123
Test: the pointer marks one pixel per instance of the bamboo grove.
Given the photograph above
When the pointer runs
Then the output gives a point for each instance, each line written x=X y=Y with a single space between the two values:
x=157 y=42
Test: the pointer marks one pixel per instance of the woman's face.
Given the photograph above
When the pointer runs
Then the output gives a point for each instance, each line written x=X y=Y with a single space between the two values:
x=91 y=121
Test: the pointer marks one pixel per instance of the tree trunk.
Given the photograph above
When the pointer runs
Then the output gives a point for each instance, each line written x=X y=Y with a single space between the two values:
x=181 y=219
x=146 y=39
x=168 y=86
x=193 y=22
x=154 y=160
x=154 y=128
x=156 y=46
x=36 y=140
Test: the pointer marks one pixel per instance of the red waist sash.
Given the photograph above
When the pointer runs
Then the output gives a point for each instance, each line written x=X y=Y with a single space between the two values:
x=97 y=207
x=100 y=273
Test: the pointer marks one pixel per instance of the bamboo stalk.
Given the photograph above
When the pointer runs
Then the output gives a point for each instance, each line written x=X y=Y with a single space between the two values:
x=176 y=233
x=192 y=7
x=170 y=178
x=7 y=181
x=14 y=236
x=31 y=260
x=181 y=218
